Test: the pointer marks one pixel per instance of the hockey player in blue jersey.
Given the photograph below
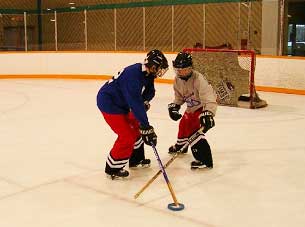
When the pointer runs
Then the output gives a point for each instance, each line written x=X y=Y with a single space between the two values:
x=123 y=102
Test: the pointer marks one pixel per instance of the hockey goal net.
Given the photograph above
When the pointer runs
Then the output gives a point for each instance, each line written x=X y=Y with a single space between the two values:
x=231 y=73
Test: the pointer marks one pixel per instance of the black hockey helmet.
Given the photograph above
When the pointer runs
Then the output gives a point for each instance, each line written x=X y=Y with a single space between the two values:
x=183 y=65
x=156 y=58
x=183 y=60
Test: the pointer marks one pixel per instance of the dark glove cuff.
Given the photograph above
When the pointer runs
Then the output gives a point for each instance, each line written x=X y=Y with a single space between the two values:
x=174 y=106
x=146 y=130
x=206 y=113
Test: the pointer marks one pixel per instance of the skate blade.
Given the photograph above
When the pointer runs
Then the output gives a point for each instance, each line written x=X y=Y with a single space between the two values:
x=114 y=177
x=140 y=166
x=179 y=153
x=200 y=167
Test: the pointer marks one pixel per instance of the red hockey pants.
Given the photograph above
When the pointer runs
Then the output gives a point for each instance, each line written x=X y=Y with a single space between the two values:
x=189 y=123
x=127 y=128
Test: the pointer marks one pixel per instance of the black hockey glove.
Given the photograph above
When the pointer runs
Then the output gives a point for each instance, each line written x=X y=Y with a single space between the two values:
x=148 y=135
x=206 y=120
x=173 y=110
x=146 y=106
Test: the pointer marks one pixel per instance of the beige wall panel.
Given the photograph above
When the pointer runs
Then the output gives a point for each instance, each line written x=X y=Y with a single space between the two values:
x=54 y=4
x=62 y=3
x=158 y=28
x=99 y=2
x=256 y=27
x=244 y=13
x=12 y=21
x=100 y=30
x=188 y=26
x=65 y=3
x=129 y=29
x=221 y=24
x=70 y=30
x=255 y=24
x=48 y=32
x=1 y=30
x=18 y=4
x=32 y=31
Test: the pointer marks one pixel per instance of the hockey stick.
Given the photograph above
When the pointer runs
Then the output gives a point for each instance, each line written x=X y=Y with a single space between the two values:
x=190 y=140
x=175 y=205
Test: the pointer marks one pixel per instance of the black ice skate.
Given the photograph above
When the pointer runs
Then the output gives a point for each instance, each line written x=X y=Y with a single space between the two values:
x=120 y=174
x=177 y=149
x=199 y=165
x=145 y=163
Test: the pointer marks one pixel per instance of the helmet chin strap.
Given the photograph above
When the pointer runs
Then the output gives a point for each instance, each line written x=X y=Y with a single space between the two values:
x=185 y=77
x=149 y=71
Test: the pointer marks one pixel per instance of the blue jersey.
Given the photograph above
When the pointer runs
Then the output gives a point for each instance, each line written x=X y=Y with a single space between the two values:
x=127 y=92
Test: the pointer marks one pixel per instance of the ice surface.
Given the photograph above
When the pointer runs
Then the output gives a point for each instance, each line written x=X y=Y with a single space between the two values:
x=54 y=143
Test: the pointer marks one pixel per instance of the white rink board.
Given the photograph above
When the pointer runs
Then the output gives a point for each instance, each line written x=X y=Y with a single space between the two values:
x=270 y=72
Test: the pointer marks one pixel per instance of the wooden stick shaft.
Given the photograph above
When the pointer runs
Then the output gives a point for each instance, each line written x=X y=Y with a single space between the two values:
x=191 y=139
x=155 y=176
x=172 y=193
x=165 y=175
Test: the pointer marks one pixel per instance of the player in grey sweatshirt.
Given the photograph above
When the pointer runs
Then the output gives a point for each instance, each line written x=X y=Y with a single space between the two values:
x=192 y=88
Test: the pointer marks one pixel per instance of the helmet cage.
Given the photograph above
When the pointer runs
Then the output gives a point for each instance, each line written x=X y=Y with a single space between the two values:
x=160 y=72
x=183 y=72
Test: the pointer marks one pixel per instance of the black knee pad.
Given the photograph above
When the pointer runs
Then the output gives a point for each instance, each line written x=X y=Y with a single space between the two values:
x=202 y=152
